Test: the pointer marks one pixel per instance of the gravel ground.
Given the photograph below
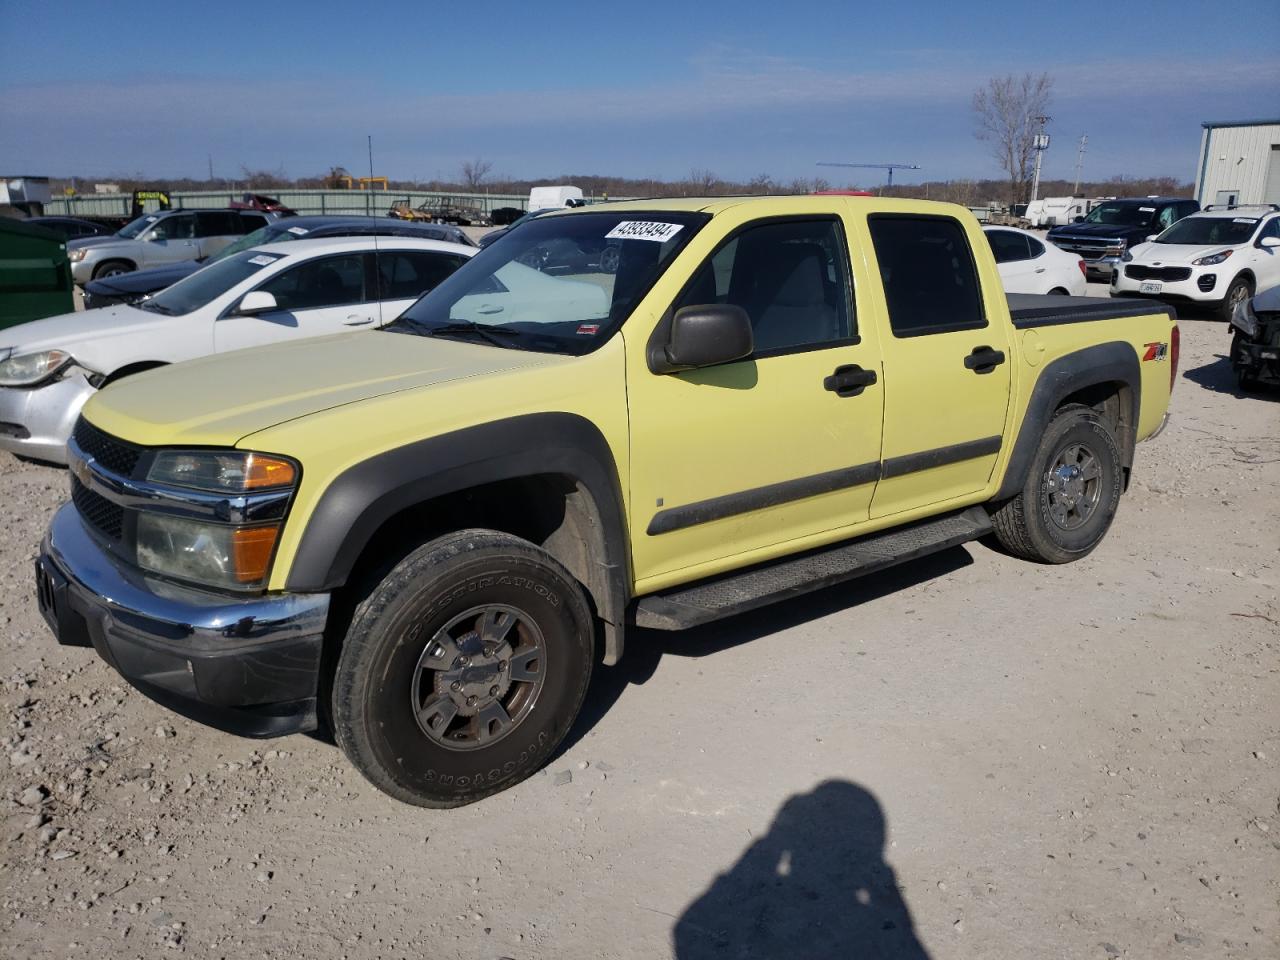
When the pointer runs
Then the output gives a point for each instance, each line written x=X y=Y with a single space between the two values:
x=967 y=757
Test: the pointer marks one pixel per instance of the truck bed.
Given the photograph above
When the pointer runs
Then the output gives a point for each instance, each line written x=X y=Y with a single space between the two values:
x=1037 y=310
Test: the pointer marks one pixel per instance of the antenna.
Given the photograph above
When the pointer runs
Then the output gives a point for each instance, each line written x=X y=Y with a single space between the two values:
x=377 y=264
x=1084 y=140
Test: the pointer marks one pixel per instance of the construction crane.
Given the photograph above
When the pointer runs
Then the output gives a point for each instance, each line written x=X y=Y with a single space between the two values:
x=874 y=166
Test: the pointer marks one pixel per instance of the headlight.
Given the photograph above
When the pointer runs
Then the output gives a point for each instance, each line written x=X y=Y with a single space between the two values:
x=1244 y=319
x=1213 y=258
x=1126 y=257
x=234 y=548
x=217 y=554
x=32 y=368
x=229 y=471
x=75 y=256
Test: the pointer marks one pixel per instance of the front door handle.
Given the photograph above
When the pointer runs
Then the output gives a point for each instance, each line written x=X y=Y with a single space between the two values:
x=356 y=320
x=983 y=360
x=849 y=380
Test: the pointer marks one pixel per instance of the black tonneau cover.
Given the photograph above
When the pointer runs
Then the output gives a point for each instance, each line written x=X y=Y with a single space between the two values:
x=1040 y=310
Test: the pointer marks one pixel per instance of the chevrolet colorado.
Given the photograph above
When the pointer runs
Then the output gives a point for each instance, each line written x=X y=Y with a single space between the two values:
x=426 y=536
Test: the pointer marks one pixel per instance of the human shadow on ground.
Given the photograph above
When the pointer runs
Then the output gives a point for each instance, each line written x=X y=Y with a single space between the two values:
x=815 y=886
x=1218 y=377
x=646 y=648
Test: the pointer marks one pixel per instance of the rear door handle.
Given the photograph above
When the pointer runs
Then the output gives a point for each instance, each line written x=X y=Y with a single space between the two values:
x=983 y=360
x=849 y=380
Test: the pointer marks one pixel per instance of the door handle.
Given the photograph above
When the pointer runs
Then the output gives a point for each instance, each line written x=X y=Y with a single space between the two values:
x=983 y=360
x=489 y=309
x=849 y=380
x=1039 y=269
x=357 y=321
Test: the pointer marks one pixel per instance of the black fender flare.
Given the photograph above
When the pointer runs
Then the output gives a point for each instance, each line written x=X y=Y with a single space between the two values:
x=362 y=498
x=1115 y=362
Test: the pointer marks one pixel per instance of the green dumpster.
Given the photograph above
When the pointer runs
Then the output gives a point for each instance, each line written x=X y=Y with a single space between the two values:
x=35 y=276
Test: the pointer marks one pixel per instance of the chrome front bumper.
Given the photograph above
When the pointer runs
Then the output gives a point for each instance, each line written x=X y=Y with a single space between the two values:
x=36 y=421
x=249 y=666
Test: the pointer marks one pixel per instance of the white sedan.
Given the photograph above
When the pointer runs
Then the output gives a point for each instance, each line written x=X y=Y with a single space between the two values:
x=1028 y=264
x=307 y=288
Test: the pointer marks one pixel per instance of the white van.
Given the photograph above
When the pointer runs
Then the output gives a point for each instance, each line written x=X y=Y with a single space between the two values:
x=553 y=198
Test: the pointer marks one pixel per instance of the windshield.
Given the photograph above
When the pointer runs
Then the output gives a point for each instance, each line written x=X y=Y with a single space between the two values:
x=1122 y=214
x=207 y=284
x=559 y=284
x=271 y=233
x=1200 y=231
x=135 y=227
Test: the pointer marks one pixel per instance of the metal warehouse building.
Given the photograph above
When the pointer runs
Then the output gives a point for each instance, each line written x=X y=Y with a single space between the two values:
x=1239 y=162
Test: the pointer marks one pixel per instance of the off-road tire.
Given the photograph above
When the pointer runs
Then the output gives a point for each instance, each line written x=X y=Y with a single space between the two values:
x=1025 y=527
x=111 y=268
x=1228 y=303
x=392 y=630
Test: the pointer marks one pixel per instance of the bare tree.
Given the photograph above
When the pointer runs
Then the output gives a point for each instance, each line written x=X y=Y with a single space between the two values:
x=1006 y=109
x=475 y=172
x=703 y=182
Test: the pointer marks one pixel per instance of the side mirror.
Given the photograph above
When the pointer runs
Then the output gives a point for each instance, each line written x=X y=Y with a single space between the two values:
x=155 y=235
x=1269 y=243
x=1078 y=220
x=255 y=302
x=706 y=335
x=1151 y=236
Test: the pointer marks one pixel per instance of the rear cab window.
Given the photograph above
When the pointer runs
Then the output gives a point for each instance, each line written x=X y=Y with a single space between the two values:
x=929 y=275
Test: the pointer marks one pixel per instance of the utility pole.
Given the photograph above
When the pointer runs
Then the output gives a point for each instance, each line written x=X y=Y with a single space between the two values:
x=1040 y=144
x=1084 y=140
x=211 y=168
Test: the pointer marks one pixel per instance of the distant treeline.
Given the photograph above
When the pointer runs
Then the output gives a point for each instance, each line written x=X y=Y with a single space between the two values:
x=698 y=183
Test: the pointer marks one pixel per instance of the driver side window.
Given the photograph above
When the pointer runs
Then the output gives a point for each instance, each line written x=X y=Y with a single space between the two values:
x=175 y=228
x=792 y=279
x=328 y=282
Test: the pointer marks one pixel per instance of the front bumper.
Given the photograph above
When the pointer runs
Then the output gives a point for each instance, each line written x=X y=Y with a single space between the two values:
x=247 y=666
x=1258 y=360
x=82 y=270
x=1187 y=290
x=36 y=421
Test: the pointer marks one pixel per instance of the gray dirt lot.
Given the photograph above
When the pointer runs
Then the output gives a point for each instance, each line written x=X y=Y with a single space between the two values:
x=1016 y=761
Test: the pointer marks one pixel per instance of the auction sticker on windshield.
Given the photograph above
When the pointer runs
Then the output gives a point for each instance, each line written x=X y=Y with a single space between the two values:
x=262 y=260
x=298 y=231
x=644 y=230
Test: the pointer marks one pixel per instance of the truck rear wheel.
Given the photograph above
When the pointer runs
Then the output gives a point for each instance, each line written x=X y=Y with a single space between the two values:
x=463 y=670
x=1071 y=492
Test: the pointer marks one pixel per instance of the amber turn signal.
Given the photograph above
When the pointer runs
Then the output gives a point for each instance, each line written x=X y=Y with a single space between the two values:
x=251 y=549
x=263 y=471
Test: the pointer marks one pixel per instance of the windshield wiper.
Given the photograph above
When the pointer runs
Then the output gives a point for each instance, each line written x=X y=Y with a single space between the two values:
x=153 y=307
x=490 y=333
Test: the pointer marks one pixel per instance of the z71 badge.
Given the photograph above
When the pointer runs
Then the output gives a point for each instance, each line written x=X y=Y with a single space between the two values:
x=1156 y=351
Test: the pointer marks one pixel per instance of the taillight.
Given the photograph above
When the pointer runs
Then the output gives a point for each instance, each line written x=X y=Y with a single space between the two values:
x=1083 y=268
x=1175 y=343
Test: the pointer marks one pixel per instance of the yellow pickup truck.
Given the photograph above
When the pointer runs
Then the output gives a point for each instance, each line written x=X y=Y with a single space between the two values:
x=426 y=536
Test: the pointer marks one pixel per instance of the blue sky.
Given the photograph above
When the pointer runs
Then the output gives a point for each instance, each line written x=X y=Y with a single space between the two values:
x=633 y=89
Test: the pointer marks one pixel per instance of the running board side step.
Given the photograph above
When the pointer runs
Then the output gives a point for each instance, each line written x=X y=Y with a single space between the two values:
x=743 y=590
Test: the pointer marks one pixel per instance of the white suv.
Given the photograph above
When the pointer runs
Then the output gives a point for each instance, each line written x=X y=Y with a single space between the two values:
x=1217 y=258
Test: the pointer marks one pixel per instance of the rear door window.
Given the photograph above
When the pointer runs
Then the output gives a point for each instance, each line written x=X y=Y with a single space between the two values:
x=930 y=281
x=1008 y=246
x=408 y=274
x=218 y=223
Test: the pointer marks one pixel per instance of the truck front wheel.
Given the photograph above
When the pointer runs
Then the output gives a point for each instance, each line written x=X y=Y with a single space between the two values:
x=1071 y=492
x=463 y=670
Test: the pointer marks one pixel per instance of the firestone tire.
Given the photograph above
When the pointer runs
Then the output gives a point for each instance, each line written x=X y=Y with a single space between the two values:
x=1071 y=492
x=463 y=670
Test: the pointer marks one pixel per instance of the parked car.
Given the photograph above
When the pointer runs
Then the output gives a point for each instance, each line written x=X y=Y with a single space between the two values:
x=69 y=228
x=1028 y=265
x=1113 y=226
x=1216 y=259
x=494 y=235
x=157 y=238
x=1255 y=342
x=258 y=201
x=132 y=287
x=49 y=368
x=427 y=534
x=555 y=197
x=505 y=216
